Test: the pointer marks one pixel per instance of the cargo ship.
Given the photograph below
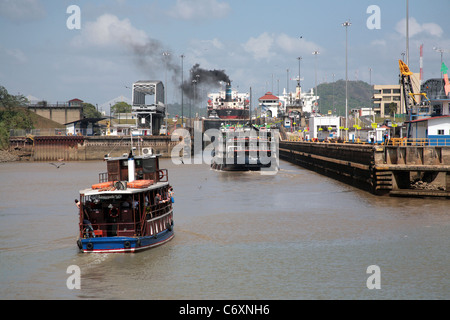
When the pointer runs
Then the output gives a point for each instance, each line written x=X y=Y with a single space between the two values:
x=129 y=209
x=228 y=105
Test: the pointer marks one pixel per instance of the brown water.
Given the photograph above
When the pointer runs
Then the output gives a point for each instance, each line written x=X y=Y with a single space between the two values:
x=294 y=235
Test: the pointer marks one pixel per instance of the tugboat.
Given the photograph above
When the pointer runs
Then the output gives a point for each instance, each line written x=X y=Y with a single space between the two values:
x=244 y=148
x=129 y=210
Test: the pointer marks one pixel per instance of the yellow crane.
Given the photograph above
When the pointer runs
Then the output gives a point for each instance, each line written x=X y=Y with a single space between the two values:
x=408 y=91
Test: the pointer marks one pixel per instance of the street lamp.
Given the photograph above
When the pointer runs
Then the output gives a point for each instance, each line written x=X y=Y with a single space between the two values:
x=346 y=24
x=299 y=60
x=315 y=53
x=407 y=32
x=194 y=82
x=166 y=55
x=182 y=92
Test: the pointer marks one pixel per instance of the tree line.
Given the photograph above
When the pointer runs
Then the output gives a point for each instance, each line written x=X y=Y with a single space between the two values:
x=13 y=115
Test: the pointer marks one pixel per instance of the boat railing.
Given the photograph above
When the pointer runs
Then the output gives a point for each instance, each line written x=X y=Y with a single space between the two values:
x=435 y=141
x=157 y=218
x=156 y=214
x=120 y=229
x=162 y=175
x=160 y=223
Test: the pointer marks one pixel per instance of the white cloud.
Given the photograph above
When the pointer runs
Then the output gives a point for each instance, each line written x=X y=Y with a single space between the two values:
x=379 y=42
x=293 y=45
x=13 y=55
x=261 y=47
x=199 y=9
x=18 y=55
x=21 y=10
x=268 y=45
x=415 y=28
x=109 y=30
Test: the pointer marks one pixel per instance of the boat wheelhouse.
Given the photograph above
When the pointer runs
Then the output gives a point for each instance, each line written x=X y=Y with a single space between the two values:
x=130 y=209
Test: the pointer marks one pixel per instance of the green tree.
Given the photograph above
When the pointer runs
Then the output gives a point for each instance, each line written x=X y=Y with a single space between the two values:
x=8 y=101
x=12 y=115
x=121 y=107
x=90 y=111
x=392 y=108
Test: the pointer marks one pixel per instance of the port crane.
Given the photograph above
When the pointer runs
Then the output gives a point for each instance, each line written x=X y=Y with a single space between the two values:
x=412 y=105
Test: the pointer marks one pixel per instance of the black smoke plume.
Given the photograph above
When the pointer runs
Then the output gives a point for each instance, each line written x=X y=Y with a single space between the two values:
x=205 y=79
x=152 y=58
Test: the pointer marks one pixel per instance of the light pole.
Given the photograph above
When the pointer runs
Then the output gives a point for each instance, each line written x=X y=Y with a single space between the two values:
x=299 y=74
x=182 y=92
x=333 y=90
x=315 y=53
x=346 y=24
x=190 y=106
x=287 y=81
x=166 y=55
x=194 y=83
x=197 y=77
x=407 y=32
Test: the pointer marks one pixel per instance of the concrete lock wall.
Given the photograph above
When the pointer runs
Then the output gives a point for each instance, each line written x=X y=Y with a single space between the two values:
x=59 y=114
x=74 y=148
x=376 y=168
x=348 y=163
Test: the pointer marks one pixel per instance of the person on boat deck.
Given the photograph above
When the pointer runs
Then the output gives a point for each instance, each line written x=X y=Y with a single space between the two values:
x=158 y=199
x=86 y=222
x=171 y=193
x=112 y=220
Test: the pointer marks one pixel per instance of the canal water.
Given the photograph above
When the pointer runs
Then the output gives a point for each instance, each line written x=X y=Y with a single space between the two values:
x=293 y=235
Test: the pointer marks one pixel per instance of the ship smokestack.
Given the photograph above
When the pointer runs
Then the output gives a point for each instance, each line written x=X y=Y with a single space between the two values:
x=131 y=168
x=228 y=93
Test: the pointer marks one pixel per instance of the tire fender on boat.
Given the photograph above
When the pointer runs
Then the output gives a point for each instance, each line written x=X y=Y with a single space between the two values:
x=127 y=244
x=89 y=246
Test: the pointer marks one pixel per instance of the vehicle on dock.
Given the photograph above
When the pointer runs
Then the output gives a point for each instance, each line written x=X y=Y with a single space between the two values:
x=244 y=148
x=129 y=210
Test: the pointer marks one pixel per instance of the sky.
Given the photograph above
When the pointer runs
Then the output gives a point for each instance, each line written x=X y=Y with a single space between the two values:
x=45 y=54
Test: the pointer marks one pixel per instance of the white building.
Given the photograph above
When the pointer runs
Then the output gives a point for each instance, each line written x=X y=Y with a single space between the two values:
x=324 y=127
x=435 y=129
x=270 y=105
x=84 y=127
